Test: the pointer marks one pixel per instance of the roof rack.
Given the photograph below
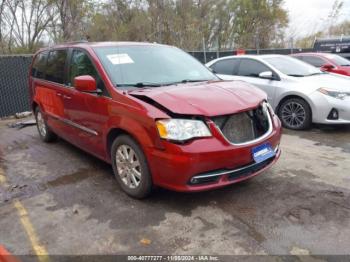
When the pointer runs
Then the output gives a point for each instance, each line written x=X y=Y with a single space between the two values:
x=77 y=42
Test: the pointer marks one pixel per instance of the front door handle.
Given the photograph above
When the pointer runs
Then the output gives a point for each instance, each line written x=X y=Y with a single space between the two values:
x=59 y=94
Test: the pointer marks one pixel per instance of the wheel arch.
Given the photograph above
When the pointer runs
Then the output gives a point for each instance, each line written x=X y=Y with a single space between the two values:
x=290 y=96
x=140 y=136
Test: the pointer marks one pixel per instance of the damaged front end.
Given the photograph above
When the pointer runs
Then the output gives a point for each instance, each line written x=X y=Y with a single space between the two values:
x=245 y=127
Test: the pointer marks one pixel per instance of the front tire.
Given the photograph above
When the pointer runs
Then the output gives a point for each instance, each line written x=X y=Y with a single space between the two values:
x=130 y=167
x=295 y=113
x=45 y=133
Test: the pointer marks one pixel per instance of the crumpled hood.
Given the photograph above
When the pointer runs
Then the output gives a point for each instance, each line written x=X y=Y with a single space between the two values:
x=205 y=98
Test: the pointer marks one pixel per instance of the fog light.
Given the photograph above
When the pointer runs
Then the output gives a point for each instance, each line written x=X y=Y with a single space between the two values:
x=333 y=115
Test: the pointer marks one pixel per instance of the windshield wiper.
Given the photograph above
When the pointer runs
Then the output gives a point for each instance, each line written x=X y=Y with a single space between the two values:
x=318 y=73
x=140 y=85
x=188 y=81
x=194 y=80
x=295 y=75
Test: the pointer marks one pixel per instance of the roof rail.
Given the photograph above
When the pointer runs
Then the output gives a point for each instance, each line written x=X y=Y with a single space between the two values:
x=77 y=42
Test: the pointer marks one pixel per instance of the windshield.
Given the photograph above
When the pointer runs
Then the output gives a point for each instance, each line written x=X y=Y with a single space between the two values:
x=151 y=66
x=292 y=66
x=341 y=61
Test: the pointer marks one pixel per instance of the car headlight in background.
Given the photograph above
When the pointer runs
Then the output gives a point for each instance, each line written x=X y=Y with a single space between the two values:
x=333 y=93
x=182 y=129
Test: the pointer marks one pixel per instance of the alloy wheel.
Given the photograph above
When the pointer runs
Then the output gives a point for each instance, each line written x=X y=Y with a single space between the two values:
x=41 y=124
x=293 y=114
x=128 y=166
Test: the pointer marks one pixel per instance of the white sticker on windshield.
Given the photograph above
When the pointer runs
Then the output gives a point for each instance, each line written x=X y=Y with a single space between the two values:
x=118 y=59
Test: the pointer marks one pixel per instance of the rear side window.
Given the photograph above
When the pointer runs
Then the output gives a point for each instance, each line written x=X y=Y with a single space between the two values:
x=39 y=65
x=313 y=60
x=251 y=68
x=225 y=67
x=55 y=66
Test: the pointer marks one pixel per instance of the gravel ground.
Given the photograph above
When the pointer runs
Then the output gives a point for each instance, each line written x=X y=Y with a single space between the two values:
x=74 y=206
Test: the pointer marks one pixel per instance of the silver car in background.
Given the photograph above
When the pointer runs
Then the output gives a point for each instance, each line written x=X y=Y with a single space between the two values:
x=299 y=93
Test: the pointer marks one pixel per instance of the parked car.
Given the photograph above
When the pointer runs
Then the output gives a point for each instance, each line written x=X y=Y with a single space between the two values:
x=326 y=62
x=155 y=113
x=300 y=93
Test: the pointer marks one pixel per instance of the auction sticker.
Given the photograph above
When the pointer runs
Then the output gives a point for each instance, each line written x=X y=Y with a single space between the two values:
x=118 y=59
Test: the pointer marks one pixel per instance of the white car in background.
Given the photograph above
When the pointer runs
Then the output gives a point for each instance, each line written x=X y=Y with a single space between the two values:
x=300 y=93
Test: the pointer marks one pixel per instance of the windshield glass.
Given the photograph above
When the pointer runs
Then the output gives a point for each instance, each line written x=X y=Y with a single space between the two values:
x=292 y=66
x=341 y=61
x=150 y=65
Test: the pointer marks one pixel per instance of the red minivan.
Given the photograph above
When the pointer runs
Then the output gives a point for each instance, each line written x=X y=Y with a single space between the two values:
x=159 y=116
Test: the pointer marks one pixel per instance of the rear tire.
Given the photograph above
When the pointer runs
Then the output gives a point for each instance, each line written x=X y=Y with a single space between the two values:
x=130 y=167
x=45 y=132
x=295 y=113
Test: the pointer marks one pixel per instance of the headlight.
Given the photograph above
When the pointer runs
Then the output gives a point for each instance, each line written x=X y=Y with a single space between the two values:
x=333 y=93
x=182 y=129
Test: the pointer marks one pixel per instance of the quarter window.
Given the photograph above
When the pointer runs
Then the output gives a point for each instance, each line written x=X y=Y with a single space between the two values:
x=39 y=65
x=55 y=66
x=251 y=68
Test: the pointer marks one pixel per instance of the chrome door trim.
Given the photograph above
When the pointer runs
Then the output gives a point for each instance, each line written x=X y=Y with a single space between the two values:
x=73 y=124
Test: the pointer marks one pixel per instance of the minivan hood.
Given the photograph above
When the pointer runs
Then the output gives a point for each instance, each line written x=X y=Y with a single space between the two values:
x=327 y=80
x=204 y=98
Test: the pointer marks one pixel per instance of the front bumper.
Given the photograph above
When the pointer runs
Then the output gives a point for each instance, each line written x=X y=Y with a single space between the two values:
x=177 y=165
x=322 y=106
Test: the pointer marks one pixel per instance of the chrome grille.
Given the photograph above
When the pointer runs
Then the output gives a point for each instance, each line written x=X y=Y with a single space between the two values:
x=245 y=126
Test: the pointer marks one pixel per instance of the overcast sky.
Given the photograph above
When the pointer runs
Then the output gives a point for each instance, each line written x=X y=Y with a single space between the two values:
x=308 y=16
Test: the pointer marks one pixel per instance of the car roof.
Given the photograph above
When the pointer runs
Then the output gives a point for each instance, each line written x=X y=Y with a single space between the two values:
x=311 y=54
x=84 y=44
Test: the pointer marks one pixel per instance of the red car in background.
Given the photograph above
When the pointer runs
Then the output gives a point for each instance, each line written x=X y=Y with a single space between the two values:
x=326 y=62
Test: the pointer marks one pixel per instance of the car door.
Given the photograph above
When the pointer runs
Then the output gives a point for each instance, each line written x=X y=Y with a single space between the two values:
x=49 y=77
x=87 y=112
x=249 y=70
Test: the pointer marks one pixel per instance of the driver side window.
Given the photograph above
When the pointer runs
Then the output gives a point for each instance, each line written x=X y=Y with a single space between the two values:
x=80 y=65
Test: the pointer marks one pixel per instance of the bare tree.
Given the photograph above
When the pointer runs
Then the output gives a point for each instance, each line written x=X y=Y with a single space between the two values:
x=26 y=21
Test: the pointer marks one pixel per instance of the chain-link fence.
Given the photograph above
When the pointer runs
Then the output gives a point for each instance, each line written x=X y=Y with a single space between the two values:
x=14 y=93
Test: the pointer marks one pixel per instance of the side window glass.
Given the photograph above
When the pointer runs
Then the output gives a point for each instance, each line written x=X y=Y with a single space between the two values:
x=315 y=61
x=80 y=65
x=299 y=57
x=39 y=65
x=251 y=68
x=55 y=66
x=225 y=67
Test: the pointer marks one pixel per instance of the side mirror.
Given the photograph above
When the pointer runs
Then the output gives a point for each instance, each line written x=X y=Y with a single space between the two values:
x=327 y=67
x=85 y=83
x=266 y=75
